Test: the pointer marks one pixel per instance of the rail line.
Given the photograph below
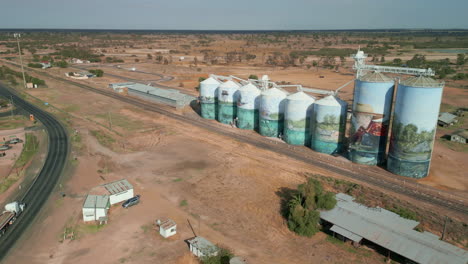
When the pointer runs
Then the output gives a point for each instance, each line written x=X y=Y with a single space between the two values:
x=380 y=178
x=43 y=185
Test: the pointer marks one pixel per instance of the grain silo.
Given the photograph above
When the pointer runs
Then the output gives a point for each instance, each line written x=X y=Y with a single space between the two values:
x=248 y=105
x=227 y=101
x=373 y=96
x=272 y=103
x=414 y=125
x=297 y=116
x=328 y=125
x=209 y=98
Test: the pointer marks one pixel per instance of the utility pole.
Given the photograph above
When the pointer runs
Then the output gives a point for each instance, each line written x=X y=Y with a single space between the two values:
x=17 y=36
x=445 y=228
x=110 y=120
x=11 y=106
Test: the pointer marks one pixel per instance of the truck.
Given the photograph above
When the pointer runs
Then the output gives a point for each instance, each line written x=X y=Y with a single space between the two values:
x=9 y=216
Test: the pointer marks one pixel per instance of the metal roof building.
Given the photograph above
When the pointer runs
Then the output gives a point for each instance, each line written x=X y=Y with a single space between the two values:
x=95 y=207
x=170 y=97
x=446 y=119
x=388 y=230
x=119 y=191
x=201 y=247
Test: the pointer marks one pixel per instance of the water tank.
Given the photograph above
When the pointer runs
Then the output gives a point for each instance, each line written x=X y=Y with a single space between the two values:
x=209 y=98
x=272 y=103
x=328 y=125
x=370 y=120
x=247 y=107
x=414 y=126
x=297 y=117
x=227 y=101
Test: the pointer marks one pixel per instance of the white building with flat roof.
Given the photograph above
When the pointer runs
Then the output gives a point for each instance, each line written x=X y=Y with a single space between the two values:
x=167 y=228
x=95 y=207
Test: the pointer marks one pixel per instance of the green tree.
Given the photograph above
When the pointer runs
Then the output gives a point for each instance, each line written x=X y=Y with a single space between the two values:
x=254 y=77
x=397 y=61
x=326 y=201
x=61 y=64
x=461 y=60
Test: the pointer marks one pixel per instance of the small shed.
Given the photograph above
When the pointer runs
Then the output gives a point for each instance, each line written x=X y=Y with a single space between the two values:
x=167 y=228
x=237 y=260
x=201 y=247
x=119 y=191
x=446 y=119
x=95 y=207
x=460 y=136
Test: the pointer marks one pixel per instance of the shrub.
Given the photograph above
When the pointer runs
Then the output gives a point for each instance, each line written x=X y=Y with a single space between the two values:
x=254 y=77
x=34 y=65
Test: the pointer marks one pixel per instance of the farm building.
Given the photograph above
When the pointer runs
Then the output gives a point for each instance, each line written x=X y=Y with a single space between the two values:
x=460 y=136
x=446 y=119
x=377 y=226
x=201 y=247
x=95 y=208
x=119 y=191
x=167 y=228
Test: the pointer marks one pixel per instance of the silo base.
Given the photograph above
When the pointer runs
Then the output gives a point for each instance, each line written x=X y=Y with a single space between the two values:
x=271 y=128
x=226 y=112
x=413 y=169
x=208 y=111
x=247 y=119
x=297 y=137
x=366 y=157
x=326 y=147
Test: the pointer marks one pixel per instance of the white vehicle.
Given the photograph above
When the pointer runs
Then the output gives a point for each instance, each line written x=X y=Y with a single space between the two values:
x=11 y=213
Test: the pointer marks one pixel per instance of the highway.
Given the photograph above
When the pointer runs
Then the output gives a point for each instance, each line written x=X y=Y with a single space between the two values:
x=44 y=183
x=446 y=201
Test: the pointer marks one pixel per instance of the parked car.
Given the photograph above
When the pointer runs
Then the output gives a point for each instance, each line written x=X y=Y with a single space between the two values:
x=131 y=202
x=14 y=141
x=5 y=147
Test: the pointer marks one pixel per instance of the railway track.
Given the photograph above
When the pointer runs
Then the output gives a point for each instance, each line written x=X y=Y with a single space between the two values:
x=43 y=185
x=375 y=177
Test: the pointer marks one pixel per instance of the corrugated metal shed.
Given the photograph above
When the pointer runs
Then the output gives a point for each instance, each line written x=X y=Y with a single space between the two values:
x=447 y=118
x=392 y=232
x=462 y=133
x=96 y=201
x=204 y=246
x=421 y=81
x=118 y=186
x=375 y=77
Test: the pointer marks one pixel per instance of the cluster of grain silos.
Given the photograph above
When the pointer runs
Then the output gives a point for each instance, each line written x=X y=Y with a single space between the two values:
x=300 y=119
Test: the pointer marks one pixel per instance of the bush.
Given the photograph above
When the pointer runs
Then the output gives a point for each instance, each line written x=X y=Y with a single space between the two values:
x=61 y=64
x=223 y=257
x=254 y=77
x=97 y=72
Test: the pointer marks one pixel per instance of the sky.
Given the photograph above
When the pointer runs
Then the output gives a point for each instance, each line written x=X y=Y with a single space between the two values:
x=234 y=14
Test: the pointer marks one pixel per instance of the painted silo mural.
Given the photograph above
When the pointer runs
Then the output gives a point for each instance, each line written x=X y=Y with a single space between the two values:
x=297 y=118
x=227 y=102
x=414 y=126
x=272 y=104
x=328 y=125
x=370 y=120
x=248 y=105
x=209 y=98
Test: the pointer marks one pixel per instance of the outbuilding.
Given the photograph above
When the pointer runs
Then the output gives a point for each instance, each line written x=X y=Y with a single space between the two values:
x=167 y=228
x=201 y=247
x=460 y=136
x=447 y=119
x=95 y=207
x=119 y=191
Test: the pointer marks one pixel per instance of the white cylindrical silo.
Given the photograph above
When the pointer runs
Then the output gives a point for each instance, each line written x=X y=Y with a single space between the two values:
x=248 y=105
x=272 y=103
x=297 y=119
x=227 y=101
x=209 y=98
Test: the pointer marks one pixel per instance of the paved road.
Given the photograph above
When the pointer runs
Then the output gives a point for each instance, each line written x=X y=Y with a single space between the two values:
x=43 y=185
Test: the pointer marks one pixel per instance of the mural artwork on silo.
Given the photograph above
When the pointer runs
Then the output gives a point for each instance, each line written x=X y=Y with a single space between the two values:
x=414 y=125
x=272 y=104
x=297 y=118
x=370 y=120
x=328 y=125
x=247 y=107
x=209 y=98
x=227 y=102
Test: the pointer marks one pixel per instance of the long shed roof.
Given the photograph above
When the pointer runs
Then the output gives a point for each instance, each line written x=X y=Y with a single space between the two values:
x=118 y=186
x=96 y=201
x=391 y=231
